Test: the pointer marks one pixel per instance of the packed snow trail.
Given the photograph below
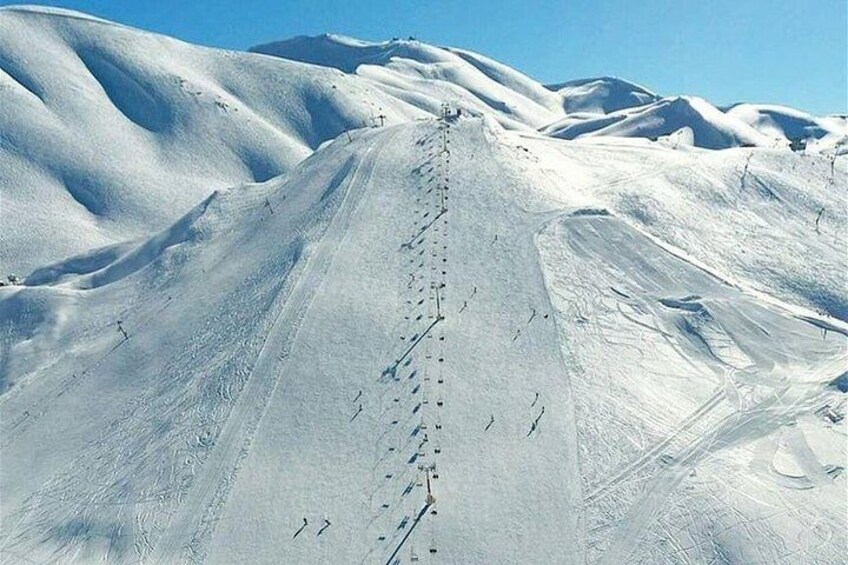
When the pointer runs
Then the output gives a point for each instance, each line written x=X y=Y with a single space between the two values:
x=200 y=509
x=323 y=470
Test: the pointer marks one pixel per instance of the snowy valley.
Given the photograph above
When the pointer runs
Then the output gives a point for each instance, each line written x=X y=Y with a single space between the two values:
x=332 y=301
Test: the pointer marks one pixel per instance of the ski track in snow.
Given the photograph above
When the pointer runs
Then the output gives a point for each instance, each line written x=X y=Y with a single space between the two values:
x=742 y=424
x=198 y=513
x=724 y=419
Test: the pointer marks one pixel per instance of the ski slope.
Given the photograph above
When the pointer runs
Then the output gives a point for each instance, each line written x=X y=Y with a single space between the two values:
x=391 y=310
x=260 y=332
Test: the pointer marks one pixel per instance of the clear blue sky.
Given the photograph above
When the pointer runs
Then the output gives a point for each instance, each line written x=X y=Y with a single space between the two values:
x=785 y=51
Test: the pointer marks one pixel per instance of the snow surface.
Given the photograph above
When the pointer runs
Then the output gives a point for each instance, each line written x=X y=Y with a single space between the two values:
x=602 y=95
x=704 y=124
x=600 y=351
x=110 y=133
x=782 y=122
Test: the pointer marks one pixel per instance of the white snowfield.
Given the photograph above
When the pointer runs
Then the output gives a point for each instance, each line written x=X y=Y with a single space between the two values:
x=437 y=341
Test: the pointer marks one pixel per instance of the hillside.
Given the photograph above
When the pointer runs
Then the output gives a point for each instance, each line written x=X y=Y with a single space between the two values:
x=427 y=76
x=602 y=95
x=693 y=120
x=111 y=133
x=387 y=308
x=787 y=123
x=263 y=333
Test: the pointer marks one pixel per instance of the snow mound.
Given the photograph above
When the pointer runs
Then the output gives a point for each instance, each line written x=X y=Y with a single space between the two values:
x=691 y=118
x=602 y=95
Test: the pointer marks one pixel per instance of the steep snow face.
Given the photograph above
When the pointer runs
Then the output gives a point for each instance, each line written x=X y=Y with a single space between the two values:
x=108 y=133
x=693 y=121
x=445 y=343
x=427 y=76
x=787 y=123
x=602 y=95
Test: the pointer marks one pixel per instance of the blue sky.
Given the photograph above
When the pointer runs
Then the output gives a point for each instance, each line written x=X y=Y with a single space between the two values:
x=782 y=51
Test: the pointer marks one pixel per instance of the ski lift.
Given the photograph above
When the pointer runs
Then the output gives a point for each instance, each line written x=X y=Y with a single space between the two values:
x=797 y=144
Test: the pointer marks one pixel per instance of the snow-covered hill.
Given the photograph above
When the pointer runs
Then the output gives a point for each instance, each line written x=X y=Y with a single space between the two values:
x=602 y=95
x=693 y=120
x=452 y=340
x=427 y=76
x=536 y=338
x=781 y=122
x=109 y=133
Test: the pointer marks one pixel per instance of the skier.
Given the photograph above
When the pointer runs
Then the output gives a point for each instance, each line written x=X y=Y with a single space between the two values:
x=303 y=527
x=121 y=329
x=324 y=527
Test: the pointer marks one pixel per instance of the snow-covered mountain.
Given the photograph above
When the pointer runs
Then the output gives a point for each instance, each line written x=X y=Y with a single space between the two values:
x=694 y=120
x=602 y=95
x=427 y=76
x=442 y=340
x=109 y=133
x=781 y=122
